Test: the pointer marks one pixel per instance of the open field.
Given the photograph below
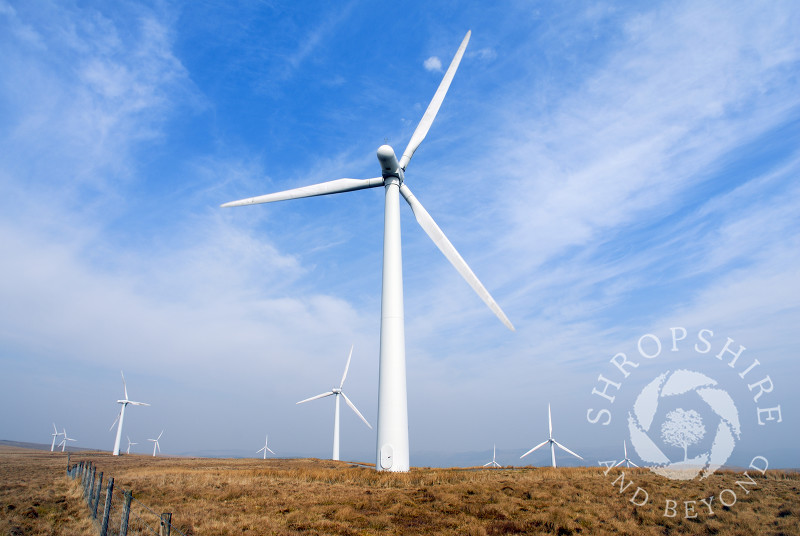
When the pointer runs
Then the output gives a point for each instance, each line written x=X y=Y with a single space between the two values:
x=253 y=496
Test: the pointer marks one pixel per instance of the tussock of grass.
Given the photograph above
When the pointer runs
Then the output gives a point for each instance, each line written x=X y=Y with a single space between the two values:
x=289 y=497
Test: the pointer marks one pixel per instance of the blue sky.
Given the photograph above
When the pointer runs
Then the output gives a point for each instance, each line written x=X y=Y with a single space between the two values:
x=608 y=170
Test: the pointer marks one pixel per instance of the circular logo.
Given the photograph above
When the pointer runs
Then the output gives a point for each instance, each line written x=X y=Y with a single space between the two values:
x=672 y=413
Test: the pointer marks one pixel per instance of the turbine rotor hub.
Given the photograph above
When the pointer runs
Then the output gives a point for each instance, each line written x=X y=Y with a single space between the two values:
x=389 y=165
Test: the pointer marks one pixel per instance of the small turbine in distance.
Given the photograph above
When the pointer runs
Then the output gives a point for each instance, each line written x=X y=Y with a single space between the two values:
x=55 y=435
x=626 y=460
x=265 y=448
x=392 y=451
x=129 y=445
x=493 y=463
x=553 y=443
x=336 y=391
x=63 y=443
x=155 y=443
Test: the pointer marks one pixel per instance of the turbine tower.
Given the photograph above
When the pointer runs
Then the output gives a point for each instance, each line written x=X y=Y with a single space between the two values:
x=553 y=443
x=55 y=435
x=337 y=391
x=265 y=448
x=493 y=463
x=626 y=460
x=121 y=415
x=155 y=443
x=392 y=452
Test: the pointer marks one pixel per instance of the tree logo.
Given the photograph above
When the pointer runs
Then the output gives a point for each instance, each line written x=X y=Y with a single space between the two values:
x=662 y=407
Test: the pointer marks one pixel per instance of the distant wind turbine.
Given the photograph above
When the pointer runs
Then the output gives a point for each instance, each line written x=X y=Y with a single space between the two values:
x=155 y=443
x=626 y=460
x=121 y=415
x=337 y=391
x=392 y=452
x=55 y=435
x=63 y=443
x=129 y=445
x=553 y=443
x=493 y=463
x=265 y=448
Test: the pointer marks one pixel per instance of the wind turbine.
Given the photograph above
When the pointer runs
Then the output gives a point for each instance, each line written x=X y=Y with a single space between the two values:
x=55 y=434
x=493 y=463
x=63 y=443
x=392 y=446
x=265 y=448
x=129 y=445
x=337 y=391
x=121 y=415
x=553 y=443
x=627 y=460
x=155 y=443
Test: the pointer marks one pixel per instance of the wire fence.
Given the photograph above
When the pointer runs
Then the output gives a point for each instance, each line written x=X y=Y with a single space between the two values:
x=115 y=512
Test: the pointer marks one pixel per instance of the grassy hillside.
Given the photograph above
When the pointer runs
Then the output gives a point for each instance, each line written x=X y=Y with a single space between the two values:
x=250 y=497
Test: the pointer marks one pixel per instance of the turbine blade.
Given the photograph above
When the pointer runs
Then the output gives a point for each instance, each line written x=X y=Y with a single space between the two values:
x=115 y=421
x=347 y=367
x=138 y=403
x=540 y=445
x=272 y=451
x=124 y=385
x=619 y=463
x=488 y=463
x=562 y=447
x=323 y=395
x=433 y=108
x=625 y=448
x=633 y=464
x=260 y=450
x=353 y=407
x=55 y=430
x=323 y=188
x=550 y=421
x=432 y=230
x=159 y=435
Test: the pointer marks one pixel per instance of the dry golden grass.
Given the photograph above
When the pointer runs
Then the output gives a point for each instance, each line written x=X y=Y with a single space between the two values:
x=288 y=497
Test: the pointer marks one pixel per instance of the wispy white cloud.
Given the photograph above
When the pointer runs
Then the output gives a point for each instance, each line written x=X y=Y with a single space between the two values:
x=433 y=64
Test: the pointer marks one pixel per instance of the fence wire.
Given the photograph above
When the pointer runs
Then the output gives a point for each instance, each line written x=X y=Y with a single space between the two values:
x=116 y=512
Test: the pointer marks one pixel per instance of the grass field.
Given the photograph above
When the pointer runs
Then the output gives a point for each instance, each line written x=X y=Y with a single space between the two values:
x=254 y=497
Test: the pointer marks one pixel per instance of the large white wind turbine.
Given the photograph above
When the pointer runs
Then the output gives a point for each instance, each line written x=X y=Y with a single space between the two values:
x=553 y=443
x=265 y=448
x=63 y=443
x=493 y=463
x=392 y=445
x=337 y=391
x=155 y=443
x=129 y=445
x=121 y=414
x=625 y=460
x=55 y=434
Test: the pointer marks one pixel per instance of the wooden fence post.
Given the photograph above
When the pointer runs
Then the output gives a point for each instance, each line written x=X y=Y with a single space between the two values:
x=107 y=509
x=166 y=524
x=126 y=511
x=97 y=496
x=90 y=488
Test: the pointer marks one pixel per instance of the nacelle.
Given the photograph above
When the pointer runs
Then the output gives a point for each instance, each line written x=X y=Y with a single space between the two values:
x=389 y=165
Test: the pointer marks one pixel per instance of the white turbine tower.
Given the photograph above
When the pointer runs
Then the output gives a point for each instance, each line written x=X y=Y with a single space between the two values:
x=553 y=443
x=337 y=391
x=129 y=445
x=265 y=448
x=55 y=434
x=121 y=415
x=155 y=443
x=493 y=463
x=392 y=445
x=626 y=460
x=63 y=443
